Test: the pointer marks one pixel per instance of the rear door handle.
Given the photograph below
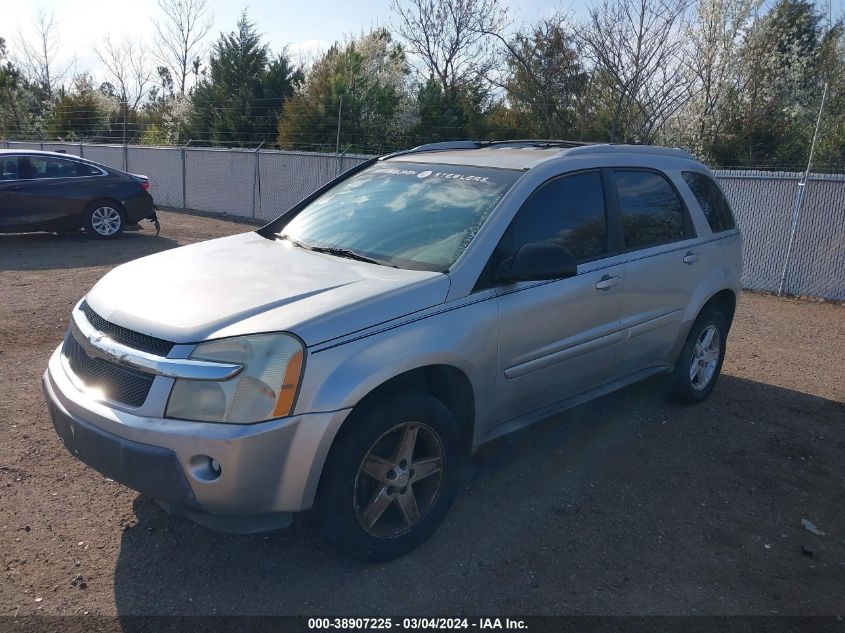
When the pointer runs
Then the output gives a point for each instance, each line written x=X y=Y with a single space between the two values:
x=607 y=282
x=12 y=188
x=690 y=258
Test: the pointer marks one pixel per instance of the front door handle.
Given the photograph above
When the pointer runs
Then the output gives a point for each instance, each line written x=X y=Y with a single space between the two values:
x=12 y=188
x=690 y=258
x=607 y=282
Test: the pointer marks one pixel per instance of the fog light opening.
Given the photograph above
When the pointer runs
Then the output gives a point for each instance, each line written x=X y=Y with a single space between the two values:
x=205 y=468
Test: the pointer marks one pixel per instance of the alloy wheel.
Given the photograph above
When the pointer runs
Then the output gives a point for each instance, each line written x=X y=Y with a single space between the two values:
x=399 y=480
x=106 y=221
x=705 y=357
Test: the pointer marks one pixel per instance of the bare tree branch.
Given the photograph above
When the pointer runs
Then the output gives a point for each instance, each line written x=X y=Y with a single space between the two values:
x=38 y=56
x=637 y=46
x=450 y=37
x=179 y=36
x=126 y=64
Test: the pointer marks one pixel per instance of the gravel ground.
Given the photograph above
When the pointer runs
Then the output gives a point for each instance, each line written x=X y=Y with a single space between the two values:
x=628 y=505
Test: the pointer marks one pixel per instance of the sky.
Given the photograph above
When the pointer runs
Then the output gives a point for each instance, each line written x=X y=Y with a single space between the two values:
x=304 y=27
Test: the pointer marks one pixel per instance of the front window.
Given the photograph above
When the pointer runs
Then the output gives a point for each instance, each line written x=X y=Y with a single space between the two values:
x=409 y=215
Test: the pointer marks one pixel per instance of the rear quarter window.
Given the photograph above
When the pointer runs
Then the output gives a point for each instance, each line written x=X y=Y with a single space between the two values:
x=712 y=201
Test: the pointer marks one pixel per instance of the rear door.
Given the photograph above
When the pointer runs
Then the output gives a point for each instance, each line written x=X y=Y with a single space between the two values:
x=557 y=338
x=662 y=270
x=11 y=199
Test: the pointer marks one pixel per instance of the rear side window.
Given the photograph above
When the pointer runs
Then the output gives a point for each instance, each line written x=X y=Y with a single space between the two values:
x=84 y=169
x=652 y=213
x=712 y=201
x=569 y=211
x=9 y=168
x=48 y=167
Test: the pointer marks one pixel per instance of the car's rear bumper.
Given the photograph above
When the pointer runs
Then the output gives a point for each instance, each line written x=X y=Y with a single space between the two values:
x=268 y=467
x=139 y=207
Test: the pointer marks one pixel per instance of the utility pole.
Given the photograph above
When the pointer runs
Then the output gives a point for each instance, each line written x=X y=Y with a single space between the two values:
x=337 y=142
x=799 y=197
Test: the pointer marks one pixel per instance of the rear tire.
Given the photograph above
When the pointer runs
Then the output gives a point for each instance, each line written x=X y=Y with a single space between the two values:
x=390 y=477
x=700 y=361
x=104 y=219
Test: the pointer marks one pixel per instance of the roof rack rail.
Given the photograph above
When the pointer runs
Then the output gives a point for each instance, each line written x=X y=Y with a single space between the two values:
x=454 y=145
x=436 y=147
x=612 y=148
x=542 y=142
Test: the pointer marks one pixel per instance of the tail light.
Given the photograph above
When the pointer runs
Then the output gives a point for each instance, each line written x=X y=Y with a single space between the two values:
x=145 y=184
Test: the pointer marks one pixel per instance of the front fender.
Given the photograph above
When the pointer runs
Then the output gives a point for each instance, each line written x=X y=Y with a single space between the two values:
x=339 y=376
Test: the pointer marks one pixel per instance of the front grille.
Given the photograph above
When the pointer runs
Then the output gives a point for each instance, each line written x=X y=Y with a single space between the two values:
x=135 y=340
x=117 y=383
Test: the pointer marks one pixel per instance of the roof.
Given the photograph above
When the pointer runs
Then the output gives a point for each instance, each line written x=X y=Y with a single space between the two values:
x=37 y=152
x=522 y=155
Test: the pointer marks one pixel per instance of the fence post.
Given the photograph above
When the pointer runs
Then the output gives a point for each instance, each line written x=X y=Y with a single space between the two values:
x=256 y=177
x=184 y=176
x=799 y=198
x=125 y=157
x=80 y=149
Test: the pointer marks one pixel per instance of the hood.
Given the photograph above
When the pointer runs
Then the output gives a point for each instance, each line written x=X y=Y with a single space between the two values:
x=246 y=284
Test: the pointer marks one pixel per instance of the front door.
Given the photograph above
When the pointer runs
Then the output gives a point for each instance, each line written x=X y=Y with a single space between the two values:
x=557 y=338
x=11 y=198
x=53 y=193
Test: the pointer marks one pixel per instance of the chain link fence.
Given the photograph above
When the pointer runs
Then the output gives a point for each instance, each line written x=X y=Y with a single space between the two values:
x=263 y=184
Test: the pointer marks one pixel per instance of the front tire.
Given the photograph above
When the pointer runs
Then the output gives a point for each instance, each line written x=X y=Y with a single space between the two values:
x=390 y=478
x=700 y=361
x=104 y=220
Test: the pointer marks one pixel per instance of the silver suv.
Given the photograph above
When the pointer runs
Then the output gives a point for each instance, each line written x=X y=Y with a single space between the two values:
x=350 y=355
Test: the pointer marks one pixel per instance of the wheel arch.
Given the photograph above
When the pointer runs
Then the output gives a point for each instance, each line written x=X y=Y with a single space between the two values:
x=99 y=200
x=724 y=299
x=447 y=383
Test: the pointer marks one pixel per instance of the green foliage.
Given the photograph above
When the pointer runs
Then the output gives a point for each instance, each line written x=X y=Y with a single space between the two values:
x=82 y=113
x=363 y=85
x=546 y=80
x=771 y=117
x=239 y=101
x=16 y=98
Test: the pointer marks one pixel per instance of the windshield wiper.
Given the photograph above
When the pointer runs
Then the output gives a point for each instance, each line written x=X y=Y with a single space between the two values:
x=350 y=254
x=337 y=252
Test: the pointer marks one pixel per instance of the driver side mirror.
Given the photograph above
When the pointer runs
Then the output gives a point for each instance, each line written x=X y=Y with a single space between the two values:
x=538 y=261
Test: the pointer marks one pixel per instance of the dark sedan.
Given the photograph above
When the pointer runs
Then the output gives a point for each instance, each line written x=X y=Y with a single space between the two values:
x=48 y=191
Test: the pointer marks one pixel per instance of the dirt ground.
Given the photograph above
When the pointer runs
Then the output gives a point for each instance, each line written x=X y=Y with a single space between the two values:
x=628 y=505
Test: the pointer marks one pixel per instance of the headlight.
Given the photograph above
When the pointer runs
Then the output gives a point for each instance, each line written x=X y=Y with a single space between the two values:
x=265 y=389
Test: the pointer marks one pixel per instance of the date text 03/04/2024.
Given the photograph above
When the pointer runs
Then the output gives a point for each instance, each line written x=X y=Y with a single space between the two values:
x=416 y=623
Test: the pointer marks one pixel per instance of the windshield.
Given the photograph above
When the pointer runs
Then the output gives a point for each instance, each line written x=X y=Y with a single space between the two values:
x=409 y=215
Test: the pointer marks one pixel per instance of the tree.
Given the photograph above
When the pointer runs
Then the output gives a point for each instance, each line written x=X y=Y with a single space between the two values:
x=244 y=91
x=364 y=83
x=770 y=118
x=82 y=113
x=38 y=58
x=16 y=98
x=451 y=37
x=715 y=38
x=544 y=77
x=636 y=49
x=179 y=37
x=127 y=65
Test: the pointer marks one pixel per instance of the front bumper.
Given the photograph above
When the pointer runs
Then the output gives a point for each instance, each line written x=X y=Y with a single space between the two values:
x=268 y=467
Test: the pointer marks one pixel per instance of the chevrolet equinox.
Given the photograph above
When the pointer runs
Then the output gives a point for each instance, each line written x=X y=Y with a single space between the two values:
x=352 y=354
